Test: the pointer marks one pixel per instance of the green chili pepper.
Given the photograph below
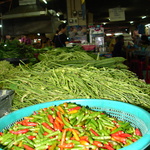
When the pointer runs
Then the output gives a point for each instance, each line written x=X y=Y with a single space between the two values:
x=28 y=141
x=65 y=122
x=102 y=137
x=53 y=134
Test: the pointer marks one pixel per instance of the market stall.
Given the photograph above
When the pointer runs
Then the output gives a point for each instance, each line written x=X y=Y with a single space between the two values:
x=72 y=73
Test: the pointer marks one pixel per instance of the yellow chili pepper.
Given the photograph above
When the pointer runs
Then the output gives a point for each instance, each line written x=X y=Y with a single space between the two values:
x=65 y=104
x=83 y=142
x=28 y=118
x=61 y=109
x=53 y=146
x=20 y=144
x=113 y=128
x=66 y=119
x=75 y=135
x=73 y=112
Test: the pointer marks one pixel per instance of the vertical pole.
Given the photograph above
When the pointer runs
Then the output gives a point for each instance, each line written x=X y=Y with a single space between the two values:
x=1 y=26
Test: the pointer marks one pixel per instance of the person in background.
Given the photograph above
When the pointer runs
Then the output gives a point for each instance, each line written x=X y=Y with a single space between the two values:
x=81 y=31
x=112 y=44
x=55 y=36
x=26 y=40
x=60 y=38
x=136 y=40
x=72 y=33
x=7 y=38
x=144 y=42
x=46 y=43
x=119 y=47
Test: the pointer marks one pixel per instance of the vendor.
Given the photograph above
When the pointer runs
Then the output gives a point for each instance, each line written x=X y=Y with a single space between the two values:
x=119 y=47
x=26 y=40
x=60 y=39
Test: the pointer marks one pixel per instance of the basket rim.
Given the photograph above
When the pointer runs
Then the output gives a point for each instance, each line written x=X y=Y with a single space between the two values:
x=144 y=141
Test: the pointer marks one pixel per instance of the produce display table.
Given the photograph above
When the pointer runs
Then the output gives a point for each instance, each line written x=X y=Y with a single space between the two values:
x=16 y=61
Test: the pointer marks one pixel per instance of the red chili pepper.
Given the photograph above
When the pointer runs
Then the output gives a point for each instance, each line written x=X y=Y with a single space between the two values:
x=138 y=132
x=45 y=133
x=84 y=138
x=94 y=132
x=1 y=133
x=59 y=120
x=110 y=144
x=118 y=133
x=47 y=126
x=53 y=109
x=134 y=140
x=114 y=121
x=22 y=122
x=125 y=135
x=58 y=114
x=29 y=124
x=51 y=119
x=27 y=147
x=31 y=137
x=119 y=139
x=97 y=143
x=108 y=147
x=44 y=109
x=57 y=126
x=34 y=113
x=72 y=138
x=19 y=131
x=74 y=108
x=66 y=145
x=102 y=113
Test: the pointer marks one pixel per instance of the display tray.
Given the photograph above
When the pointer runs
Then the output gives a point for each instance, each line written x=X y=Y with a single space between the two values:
x=16 y=61
x=6 y=97
x=88 y=47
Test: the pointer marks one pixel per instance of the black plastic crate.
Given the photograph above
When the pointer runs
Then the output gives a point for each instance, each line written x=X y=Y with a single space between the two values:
x=6 y=97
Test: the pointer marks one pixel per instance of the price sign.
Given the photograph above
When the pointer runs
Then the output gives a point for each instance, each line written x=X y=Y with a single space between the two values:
x=117 y=14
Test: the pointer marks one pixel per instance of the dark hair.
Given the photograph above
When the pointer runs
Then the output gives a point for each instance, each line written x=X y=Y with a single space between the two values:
x=120 y=37
x=62 y=26
x=144 y=39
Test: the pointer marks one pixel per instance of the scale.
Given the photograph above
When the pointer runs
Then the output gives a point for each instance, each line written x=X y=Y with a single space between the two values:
x=96 y=35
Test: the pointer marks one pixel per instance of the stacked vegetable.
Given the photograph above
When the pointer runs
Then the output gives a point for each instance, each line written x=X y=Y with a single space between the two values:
x=76 y=57
x=71 y=74
x=69 y=126
x=15 y=49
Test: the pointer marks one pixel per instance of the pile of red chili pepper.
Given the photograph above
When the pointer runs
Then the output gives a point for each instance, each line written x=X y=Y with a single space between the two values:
x=69 y=126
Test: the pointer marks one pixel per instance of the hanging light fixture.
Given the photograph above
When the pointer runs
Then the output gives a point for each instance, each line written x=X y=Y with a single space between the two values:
x=131 y=22
x=45 y=1
x=143 y=17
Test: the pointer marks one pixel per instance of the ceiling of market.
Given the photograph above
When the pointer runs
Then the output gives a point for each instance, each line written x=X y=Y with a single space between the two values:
x=134 y=10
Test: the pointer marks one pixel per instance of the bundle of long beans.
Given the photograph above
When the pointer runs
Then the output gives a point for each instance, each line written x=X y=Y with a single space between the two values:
x=34 y=87
x=72 y=75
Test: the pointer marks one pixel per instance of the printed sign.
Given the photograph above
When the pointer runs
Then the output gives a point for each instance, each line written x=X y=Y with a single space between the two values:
x=117 y=14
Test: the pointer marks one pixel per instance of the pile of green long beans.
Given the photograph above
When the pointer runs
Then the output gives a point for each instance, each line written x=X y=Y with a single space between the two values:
x=69 y=126
x=57 y=58
x=37 y=86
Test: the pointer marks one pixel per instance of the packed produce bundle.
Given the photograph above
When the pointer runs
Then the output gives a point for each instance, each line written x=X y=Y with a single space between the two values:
x=69 y=126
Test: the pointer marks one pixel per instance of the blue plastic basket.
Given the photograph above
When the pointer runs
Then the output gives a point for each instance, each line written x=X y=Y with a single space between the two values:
x=135 y=115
